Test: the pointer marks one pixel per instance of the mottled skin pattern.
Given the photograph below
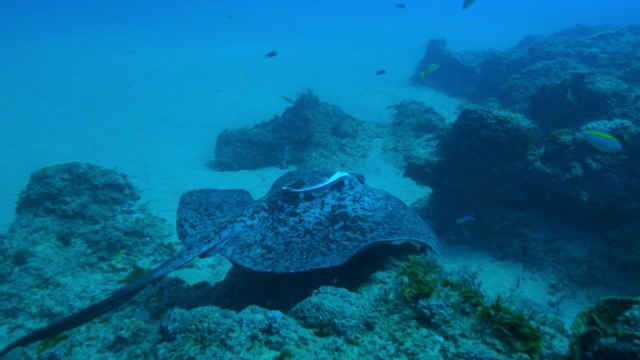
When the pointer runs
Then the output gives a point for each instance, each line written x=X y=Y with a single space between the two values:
x=289 y=231
x=284 y=231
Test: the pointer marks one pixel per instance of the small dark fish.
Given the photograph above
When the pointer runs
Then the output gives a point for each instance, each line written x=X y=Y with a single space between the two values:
x=271 y=54
x=400 y=5
x=467 y=3
x=381 y=72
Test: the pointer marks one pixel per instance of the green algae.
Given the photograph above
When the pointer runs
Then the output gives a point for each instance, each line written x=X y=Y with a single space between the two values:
x=471 y=296
x=120 y=260
x=136 y=273
x=47 y=344
x=464 y=292
x=420 y=277
x=423 y=279
x=597 y=321
x=513 y=328
x=284 y=354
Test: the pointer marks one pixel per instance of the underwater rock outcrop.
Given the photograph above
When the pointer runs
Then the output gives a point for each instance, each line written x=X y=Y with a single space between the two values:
x=580 y=96
x=310 y=134
x=453 y=74
x=332 y=311
x=74 y=223
x=598 y=188
x=490 y=165
x=76 y=191
x=413 y=135
x=375 y=318
x=483 y=159
x=211 y=332
x=562 y=80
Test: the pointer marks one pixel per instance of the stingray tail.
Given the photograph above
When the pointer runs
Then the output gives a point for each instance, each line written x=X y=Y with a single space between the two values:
x=114 y=301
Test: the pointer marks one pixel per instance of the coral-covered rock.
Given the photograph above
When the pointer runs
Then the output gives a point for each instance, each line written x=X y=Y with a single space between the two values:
x=490 y=165
x=548 y=78
x=332 y=311
x=310 y=134
x=413 y=118
x=579 y=98
x=76 y=190
x=515 y=92
x=596 y=188
x=211 y=332
x=78 y=228
x=455 y=74
x=413 y=137
x=484 y=160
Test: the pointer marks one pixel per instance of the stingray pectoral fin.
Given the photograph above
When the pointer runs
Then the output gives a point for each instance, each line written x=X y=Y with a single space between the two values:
x=114 y=301
x=207 y=209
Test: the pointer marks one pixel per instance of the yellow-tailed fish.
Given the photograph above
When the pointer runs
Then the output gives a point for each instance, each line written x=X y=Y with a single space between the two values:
x=429 y=70
x=287 y=99
x=602 y=141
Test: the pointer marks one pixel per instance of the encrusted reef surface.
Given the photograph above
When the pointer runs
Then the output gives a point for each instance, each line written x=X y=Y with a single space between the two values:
x=309 y=134
x=75 y=223
x=541 y=188
x=83 y=215
x=563 y=80
x=554 y=202
x=384 y=303
x=412 y=134
x=312 y=134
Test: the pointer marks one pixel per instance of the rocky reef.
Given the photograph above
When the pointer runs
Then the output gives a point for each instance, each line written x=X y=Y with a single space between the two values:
x=309 y=134
x=74 y=223
x=384 y=302
x=493 y=164
x=521 y=159
x=562 y=80
x=312 y=134
x=412 y=135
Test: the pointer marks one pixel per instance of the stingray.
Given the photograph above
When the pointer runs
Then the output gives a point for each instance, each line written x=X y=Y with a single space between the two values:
x=307 y=220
